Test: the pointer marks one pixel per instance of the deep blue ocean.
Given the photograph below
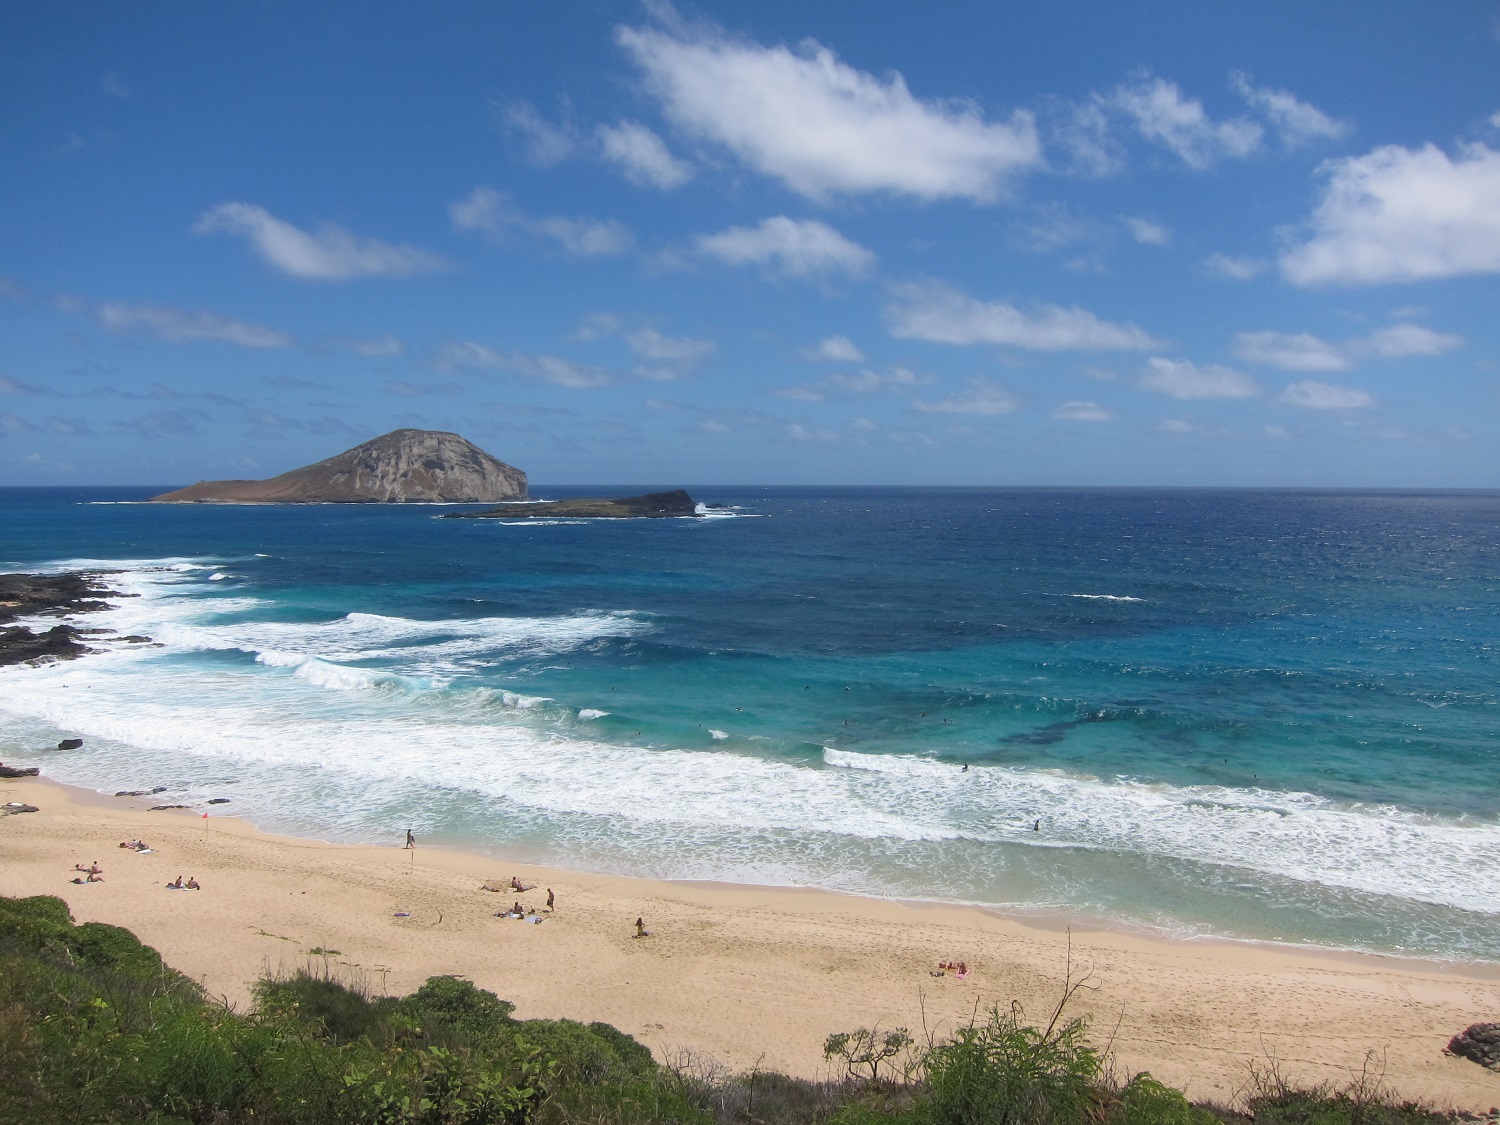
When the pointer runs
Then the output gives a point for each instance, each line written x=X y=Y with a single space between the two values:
x=1269 y=715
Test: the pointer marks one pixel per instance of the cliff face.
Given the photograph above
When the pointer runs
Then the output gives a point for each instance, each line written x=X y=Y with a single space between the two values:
x=405 y=466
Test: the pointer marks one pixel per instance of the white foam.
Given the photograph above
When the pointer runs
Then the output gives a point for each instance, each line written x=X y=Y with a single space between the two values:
x=719 y=735
x=1104 y=597
x=591 y=713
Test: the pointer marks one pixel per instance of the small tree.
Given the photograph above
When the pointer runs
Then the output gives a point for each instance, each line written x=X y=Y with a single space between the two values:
x=863 y=1051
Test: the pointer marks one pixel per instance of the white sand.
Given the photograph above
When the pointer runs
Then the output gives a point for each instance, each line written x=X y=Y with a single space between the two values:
x=751 y=976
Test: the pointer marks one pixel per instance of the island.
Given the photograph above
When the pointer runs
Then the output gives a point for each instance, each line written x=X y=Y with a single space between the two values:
x=401 y=467
x=653 y=505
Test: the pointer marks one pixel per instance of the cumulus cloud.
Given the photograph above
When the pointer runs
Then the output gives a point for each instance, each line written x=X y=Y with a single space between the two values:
x=469 y=356
x=1146 y=232
x=1303 y=351
x=1161 y=113
x=981 y=397
x=546 y=144
x=822 y=127
x=642 y=156
x=1234 y=269
x=1079 y=410
x=178 y=326
x=795 y=247
x=489 y=212
x=1410 y=339
x=942 y=314
x=1399 y=214
x=1186 y=381
x=648 y=343
x=1296 y=122
x=1311 y=395
x=332 y=254
x=834 y=349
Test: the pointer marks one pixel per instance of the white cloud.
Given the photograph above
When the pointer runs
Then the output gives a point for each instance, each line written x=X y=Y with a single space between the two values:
x=1301 y=351
x=1410 y=339
x=1162 y=114
x=942 y=314
x=1235 y=269
x=834 y=349
x=642 y=156
x=796 y=247
x=894 y=380
x=490 y=213
x=373 y=347
x=1083 y=134
x=1296 y=122
x=1188 y=427
x=9 y=386
x=1312 y=395
x=333 y=254
x=470 y=356
x=546 y=144
x=819 y=435
x=648 y=343
x=822 y=127
x=178 y=326
x=1147 y=232
x=980 y=397
x=1399 y=214
x=1079 y=410
x=1181 y=379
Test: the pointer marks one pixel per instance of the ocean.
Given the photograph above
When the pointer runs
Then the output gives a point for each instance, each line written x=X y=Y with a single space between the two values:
x=1257 y=714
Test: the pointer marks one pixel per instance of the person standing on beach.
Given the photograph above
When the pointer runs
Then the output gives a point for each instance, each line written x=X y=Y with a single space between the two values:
x=411 y=841
x=550 y=900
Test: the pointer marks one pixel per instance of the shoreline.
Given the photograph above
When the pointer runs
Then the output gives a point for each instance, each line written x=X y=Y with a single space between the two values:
x=750 y=975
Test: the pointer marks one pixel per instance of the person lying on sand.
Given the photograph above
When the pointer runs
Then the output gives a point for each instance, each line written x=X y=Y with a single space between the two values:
x=517 y=885
x=91 y=877
x=91 y=869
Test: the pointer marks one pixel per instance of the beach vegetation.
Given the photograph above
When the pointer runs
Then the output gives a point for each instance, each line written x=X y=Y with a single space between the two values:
x=95 y=1028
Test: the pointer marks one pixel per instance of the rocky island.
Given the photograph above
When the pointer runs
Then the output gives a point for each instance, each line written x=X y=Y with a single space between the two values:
x=401 y=467
x=653 y=505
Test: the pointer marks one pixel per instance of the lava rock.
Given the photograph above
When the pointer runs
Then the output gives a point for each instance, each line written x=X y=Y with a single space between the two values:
x=17 y=771
x=1479 y=1042
x=218 y=800
x=70 y=744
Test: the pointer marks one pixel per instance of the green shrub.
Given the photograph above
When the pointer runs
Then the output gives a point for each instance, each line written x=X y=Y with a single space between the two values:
x=329 y=1007
x=1003 y=1072
x=1145 y=1101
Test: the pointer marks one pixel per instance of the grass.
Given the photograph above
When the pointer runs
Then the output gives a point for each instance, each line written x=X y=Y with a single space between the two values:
x=95 y=1028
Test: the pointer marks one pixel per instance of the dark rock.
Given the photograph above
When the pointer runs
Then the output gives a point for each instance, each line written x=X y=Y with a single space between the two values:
x=136 y=639
x=218 y=800
x=141 y=792
x=51 y=595
x=70 y=744
x=1479 y=1042
x=404 y=466
x=653 y=505
x=159 y=808
x=17 y=771
x=16 y=807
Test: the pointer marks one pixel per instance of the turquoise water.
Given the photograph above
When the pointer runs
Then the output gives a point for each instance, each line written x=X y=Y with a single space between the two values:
x=1263 y=714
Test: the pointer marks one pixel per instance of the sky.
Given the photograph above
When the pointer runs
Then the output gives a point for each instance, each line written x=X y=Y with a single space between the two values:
x=1197 y=243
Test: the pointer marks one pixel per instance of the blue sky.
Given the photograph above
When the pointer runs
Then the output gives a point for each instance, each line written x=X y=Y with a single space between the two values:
x=1159 y=243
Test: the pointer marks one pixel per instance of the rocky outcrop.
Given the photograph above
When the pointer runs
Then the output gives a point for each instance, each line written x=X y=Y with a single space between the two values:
x=402 y=467
x=653 y=505
x=1479 y=1042
x=50 y=595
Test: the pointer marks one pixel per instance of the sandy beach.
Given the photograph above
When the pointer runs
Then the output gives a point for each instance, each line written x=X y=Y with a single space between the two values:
x=747 y=975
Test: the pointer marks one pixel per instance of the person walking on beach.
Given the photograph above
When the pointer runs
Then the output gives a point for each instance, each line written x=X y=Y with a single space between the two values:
x=550 y=900
x=411 y=841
